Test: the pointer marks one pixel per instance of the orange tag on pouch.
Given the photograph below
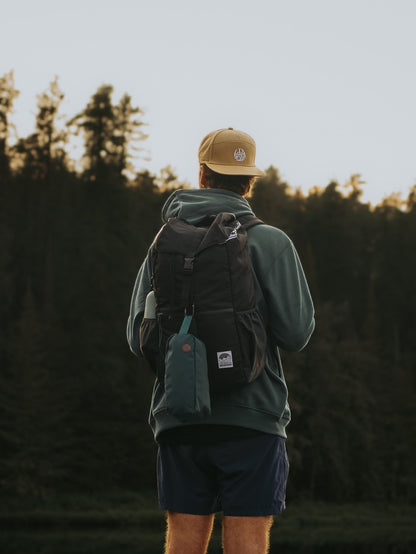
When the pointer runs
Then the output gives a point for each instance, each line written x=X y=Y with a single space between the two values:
x=186 y=347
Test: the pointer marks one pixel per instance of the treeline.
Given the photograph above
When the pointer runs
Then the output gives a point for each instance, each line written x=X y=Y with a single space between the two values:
x=74 y=400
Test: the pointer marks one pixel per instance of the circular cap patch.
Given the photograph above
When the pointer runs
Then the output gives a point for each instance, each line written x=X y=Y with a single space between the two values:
x=239 y=154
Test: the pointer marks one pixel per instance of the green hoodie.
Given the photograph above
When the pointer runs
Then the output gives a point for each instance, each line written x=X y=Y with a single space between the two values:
x=284 y=303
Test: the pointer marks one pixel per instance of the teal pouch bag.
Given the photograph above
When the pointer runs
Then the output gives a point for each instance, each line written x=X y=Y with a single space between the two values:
x=186 y=375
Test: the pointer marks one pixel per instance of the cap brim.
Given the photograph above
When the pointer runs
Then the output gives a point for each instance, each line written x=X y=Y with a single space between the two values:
x=252 y=171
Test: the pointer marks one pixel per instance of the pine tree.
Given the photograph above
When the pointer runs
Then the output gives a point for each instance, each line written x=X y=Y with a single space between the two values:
x=109 y=132
x=127 y=135
x=7 y=96
x=43 y=152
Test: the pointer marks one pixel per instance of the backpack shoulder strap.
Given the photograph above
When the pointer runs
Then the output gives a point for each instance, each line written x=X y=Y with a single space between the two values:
x=249 y=220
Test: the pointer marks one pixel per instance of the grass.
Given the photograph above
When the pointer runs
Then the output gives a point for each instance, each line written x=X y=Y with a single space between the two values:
x=131 y=515
x=81 y=512
x=346 y=523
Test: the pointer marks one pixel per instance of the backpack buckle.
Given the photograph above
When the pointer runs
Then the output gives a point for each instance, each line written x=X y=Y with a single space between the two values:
x=188 y=265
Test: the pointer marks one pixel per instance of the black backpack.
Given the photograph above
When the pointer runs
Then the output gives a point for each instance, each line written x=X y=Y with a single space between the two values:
x=206 y=271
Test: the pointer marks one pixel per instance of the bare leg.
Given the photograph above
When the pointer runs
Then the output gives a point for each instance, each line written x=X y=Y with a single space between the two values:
x=246 y=535
x=187 y=533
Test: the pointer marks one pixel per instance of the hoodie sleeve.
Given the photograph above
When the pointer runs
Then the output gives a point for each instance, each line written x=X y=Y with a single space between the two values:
x=289 y=306
x=142 y=287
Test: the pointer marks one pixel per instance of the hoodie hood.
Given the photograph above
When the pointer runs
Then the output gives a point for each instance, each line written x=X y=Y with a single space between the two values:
x=194 y=205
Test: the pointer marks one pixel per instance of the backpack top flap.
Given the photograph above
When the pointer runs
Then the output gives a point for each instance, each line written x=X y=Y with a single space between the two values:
x=179 y=237
x=179 y=246
x=223 y=228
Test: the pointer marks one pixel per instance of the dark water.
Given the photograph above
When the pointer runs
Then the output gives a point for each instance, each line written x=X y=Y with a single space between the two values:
x=131 y=542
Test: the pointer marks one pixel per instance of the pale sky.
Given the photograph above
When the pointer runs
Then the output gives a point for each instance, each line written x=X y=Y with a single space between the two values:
x=327 y=88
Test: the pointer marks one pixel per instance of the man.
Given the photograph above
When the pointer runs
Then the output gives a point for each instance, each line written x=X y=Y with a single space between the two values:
x=234 y=460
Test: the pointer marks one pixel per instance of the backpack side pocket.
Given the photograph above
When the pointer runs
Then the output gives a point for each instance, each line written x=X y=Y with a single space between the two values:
x=253 y=340
x=149 y=342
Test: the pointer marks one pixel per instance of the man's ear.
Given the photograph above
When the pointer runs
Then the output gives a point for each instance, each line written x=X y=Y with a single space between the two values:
x=202 y=177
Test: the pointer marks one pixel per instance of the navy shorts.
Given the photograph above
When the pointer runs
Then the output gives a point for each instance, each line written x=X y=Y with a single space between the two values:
x=245 y=477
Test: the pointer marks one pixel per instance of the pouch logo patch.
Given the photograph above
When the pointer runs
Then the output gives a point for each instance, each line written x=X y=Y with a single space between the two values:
x=225 y=359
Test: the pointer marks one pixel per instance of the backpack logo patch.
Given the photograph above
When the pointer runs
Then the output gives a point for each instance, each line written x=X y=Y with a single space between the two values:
x=225 y=359
x=239 y=154
x=233 y=234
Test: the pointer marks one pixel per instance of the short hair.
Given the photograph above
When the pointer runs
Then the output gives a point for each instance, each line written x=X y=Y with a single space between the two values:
x=240 y=184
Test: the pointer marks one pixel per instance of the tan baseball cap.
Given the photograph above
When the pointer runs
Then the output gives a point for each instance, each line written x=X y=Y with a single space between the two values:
x=229 y=152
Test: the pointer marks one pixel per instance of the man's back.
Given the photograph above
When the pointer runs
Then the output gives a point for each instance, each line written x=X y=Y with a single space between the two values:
x=283 y=301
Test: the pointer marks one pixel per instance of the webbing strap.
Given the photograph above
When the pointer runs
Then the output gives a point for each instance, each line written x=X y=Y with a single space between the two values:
x=187 y=282
x=249 y=220
x=186 y=323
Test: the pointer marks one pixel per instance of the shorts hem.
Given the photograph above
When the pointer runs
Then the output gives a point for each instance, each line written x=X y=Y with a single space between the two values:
x=275 y=511
x=191 y=511
x=255 y=513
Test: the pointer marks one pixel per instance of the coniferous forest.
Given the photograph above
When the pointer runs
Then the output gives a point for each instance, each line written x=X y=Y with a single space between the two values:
x=73 y=398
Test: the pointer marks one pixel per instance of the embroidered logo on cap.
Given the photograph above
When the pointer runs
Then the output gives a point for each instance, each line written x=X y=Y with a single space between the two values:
x=239 y=154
